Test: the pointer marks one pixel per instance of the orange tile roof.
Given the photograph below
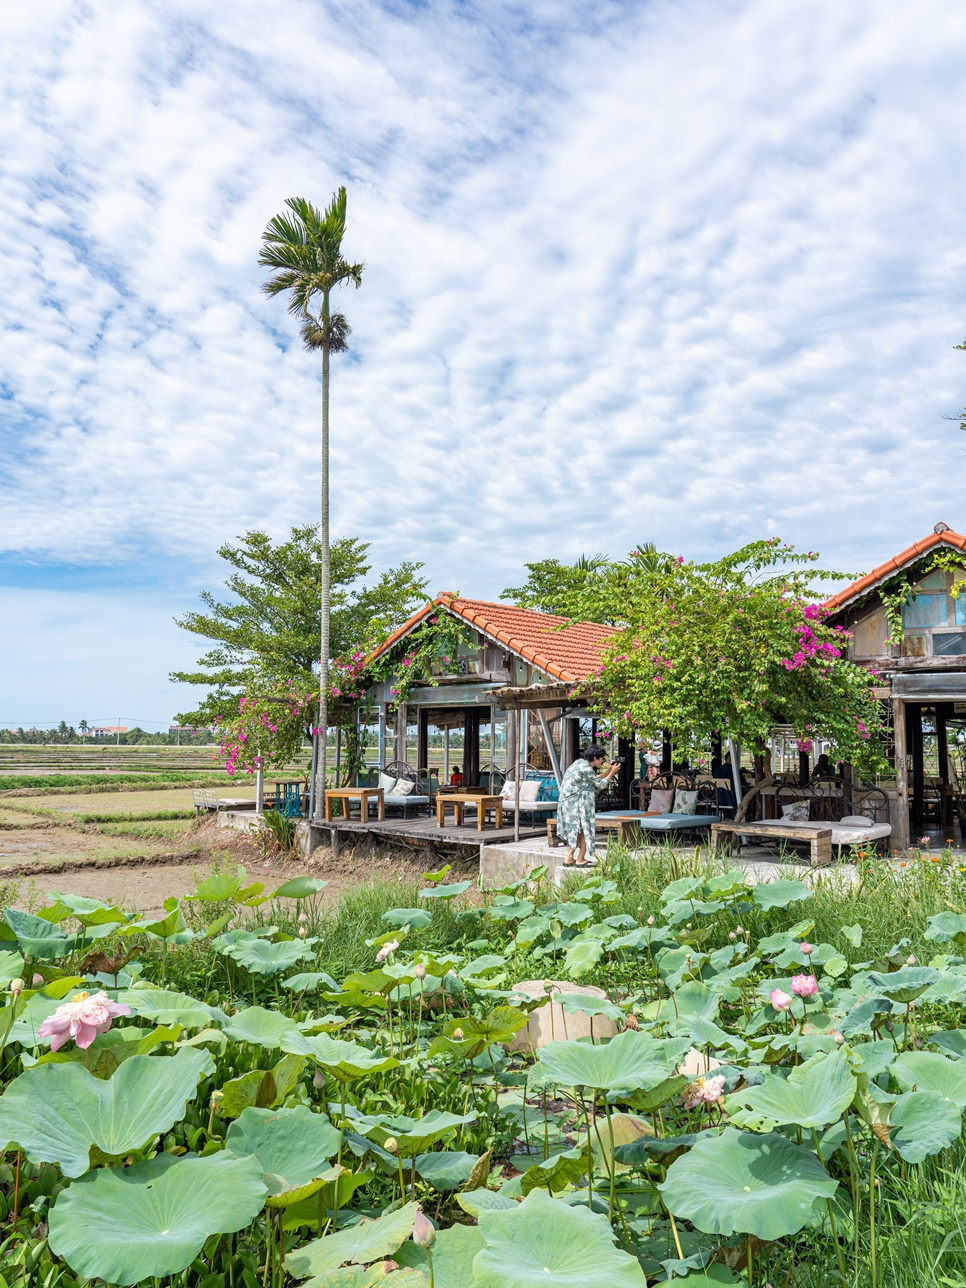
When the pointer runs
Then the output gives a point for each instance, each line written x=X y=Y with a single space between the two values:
x=571 y=654
x=942 y=537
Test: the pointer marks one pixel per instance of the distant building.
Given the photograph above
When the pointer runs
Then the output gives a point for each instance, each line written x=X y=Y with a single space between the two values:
x=112 y=729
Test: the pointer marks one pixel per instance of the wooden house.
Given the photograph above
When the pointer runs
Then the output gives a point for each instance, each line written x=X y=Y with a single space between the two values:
x=922 y=669
x=514 y=660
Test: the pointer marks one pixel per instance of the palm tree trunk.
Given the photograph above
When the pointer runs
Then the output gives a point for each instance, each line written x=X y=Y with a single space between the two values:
x=325 y=572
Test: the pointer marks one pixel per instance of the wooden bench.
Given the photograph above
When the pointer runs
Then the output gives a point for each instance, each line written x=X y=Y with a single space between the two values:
x=819 y=840
x=624 y=827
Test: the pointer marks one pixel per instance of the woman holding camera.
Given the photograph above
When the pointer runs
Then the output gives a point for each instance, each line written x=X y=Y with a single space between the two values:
x=577 y=809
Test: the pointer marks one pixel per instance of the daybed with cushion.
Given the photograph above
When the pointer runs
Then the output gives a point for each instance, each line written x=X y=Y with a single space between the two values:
x=856 y=815
x=399 y=784
x=538 y=794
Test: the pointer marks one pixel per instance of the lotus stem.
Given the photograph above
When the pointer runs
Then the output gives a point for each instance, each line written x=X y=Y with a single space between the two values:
x=677 y=1237
x=872 y=1249
x=751 y=1263
x=831 y=1215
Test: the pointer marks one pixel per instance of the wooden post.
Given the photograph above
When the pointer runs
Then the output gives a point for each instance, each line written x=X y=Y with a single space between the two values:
x=401 y=732
x=666 y=752
x=422 y=739
x=446 y=755
x=551 y=749
x=518 y=717
x=918 y=778
x=492 y=743
x=803 y=769
x=902 y=835
x=382 y=736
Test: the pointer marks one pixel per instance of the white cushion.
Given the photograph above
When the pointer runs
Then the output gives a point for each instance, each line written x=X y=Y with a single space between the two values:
x=685 y=802
x=403 y=787
x=529 y=791
x=856 y=820
x=387 y=782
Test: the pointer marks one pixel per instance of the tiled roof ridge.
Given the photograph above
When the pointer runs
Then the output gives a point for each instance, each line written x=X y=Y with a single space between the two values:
x=587 y=634
x=940 y=537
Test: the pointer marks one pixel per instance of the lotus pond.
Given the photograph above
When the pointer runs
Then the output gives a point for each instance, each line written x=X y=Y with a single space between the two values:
x=251 y=1092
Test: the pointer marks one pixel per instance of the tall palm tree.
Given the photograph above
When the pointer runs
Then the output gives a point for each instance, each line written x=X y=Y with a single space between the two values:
x=304 y=250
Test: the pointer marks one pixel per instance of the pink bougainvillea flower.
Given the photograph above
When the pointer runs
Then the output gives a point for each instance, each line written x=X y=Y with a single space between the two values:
x=804 y=985
x=82 y=1019
x=779 y=1000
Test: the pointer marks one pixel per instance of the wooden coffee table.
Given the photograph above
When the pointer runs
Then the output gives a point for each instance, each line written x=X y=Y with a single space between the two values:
x=623 y=826
x=456 y=801
x=361 y=794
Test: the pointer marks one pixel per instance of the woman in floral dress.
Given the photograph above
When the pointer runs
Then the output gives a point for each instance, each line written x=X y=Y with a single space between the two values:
x=577 y=809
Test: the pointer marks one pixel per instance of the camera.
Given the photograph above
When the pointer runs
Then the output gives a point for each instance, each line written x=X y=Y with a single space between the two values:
x=618 y=760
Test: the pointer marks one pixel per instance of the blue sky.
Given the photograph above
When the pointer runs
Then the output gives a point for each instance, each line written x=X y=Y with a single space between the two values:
x=684 y=272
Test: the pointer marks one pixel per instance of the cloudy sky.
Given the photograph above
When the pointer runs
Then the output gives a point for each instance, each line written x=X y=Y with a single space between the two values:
x=688 y=272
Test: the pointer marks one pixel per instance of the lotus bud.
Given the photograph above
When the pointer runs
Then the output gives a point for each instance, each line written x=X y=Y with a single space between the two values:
x=318 y=1079
x=807 y=948
x=910 y=960
x=216 y=1099
x=303 y=917
x=391 y=1145
x=632 y=1022
x=732 y=936
x=650 y=920
x=458 y=1035
x=779 y=1000
x=420 y=972
x=424 y=1232
x=839 y=1039
x=16 y=986
x=739 y=930
x=640 y=910
x=38 y=981
x=301 y=932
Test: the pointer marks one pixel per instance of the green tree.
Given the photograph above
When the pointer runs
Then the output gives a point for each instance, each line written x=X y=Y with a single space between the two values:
x=736 y=646
x=268 y=632
x=304 y=251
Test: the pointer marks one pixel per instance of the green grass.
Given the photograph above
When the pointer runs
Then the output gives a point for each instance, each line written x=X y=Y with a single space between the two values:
x=13 y=782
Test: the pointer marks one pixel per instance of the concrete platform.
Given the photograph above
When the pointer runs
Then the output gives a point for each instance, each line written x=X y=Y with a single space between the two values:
x=421 y=832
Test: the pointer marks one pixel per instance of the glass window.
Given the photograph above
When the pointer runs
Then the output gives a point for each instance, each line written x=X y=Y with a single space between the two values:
x=949 y=644
x=959 y=610
x=925 y=610
x=914 y=646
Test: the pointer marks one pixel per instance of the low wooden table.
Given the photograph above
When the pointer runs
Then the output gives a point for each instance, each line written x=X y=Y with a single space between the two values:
x=457 y=800
x=361 y=794
x=819 y=840
x=624 y=827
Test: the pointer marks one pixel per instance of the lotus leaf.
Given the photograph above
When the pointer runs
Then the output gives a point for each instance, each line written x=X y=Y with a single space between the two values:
x=361 y=1243
x=813 y=1095
x=903 y=985
x=259 y=1026
x=446 y=1169
x=438 y=875
x=262 y=1088
x=556 y=1172
x=445 y=891
x=543 y=1241
x=38 y=938
x=586 y=1004
x=922 y=1123
x=574 y=913
x=167 y=927
x=292 y=1146
x=124 y=1225
x=56 y=1112
x=582 y=956
x=779 y=894
x=306 y=1211
x=473 y=1202
x=412 y=1135
x=929 y=1071
x=741 y=1183
x=946 y=926
x=344 y=1060
x=262 y=957
x=309 y=980
x=299 y=888
x=453 y=1253
x=414 y=918
x=632 y=1061
x=953 y=1042
x=11 y=967
x=162 y=1007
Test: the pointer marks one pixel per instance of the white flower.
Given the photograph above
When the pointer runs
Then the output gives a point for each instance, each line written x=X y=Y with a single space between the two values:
x=386 y=949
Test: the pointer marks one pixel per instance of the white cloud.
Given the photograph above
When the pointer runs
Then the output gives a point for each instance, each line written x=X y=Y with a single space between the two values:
x=689 y=272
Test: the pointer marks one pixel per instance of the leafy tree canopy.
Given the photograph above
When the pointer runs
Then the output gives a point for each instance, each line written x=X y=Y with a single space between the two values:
x=737 y=646
x=269 y=632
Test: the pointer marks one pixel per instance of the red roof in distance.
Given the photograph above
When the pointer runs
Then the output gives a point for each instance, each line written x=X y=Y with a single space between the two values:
x=941 y=536
x=571 y=654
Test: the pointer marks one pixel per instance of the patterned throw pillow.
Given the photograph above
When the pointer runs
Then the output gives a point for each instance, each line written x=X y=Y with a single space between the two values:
x=529 y=790
x=685 y=802
x=797 y=812
x=660 y=802
x=402 y=787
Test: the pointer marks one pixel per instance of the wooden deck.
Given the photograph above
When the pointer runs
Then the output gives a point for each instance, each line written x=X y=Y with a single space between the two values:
x=424 y=831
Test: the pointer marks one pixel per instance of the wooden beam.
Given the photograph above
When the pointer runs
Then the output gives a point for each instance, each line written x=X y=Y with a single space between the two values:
x=551 y=749
x=902 y=833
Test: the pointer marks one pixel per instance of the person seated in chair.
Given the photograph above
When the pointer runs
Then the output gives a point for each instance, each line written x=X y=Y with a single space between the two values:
x=823 y=767
x=456 y=777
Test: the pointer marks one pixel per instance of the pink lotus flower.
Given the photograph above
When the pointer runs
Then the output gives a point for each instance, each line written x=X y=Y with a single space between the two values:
x=81 y=1019
x=804 y=985
x=703 y=1091
x=779 y=1000
x=386 y=949
x=807 y=948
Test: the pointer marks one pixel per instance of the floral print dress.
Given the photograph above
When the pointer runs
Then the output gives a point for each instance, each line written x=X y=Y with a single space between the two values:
x=577 y=810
